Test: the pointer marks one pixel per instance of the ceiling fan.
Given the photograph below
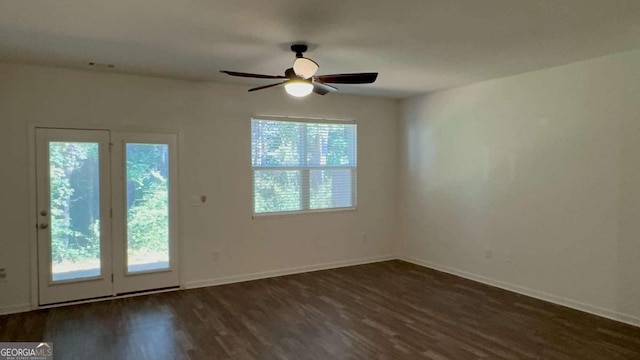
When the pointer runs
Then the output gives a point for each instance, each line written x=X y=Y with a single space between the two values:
x=301 y=79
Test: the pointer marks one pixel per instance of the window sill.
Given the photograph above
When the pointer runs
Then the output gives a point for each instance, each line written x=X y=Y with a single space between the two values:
x=299 y=213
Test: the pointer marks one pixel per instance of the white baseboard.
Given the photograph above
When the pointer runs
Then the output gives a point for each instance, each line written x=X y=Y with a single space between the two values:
x=577 y=305
x=282 y=272
x=12 y=309
x=595 y=310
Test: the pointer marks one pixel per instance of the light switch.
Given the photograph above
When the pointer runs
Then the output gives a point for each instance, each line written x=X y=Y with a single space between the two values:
x=197 y=200
x=194 y=200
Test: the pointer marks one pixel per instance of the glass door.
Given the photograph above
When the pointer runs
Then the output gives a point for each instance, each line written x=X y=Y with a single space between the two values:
x=74 y=224
x=107 y=218
x=145 y=218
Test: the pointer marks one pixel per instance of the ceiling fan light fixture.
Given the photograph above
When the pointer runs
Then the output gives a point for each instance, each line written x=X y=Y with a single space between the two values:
x=305 y=67
x=298 y=88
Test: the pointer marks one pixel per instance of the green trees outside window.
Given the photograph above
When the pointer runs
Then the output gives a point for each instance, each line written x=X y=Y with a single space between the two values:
x=74 y=170
x=147 y=204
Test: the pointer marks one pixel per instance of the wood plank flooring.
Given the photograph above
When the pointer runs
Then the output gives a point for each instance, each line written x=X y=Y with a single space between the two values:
x=389 y=310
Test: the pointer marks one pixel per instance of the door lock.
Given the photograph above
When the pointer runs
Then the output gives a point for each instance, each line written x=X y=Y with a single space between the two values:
x=44 y=226
x=43 y=213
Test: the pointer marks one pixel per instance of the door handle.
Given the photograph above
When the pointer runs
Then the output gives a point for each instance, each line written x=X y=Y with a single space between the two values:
x=44 y=226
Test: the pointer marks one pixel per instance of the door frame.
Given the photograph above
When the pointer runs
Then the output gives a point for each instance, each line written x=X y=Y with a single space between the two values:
x=33 y=206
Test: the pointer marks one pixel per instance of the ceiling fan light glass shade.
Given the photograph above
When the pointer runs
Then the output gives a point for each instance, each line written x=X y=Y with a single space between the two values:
x=304 y=67
x=298 y=88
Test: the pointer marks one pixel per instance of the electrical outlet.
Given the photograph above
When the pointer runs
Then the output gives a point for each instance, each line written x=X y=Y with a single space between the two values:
x=3 y=276
x=507 y=257
x=215 y=256
x=365 y=239
x=488 y=253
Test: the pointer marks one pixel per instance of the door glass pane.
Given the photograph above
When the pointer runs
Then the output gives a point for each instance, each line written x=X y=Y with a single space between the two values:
x=147 y=207
x=74 y=170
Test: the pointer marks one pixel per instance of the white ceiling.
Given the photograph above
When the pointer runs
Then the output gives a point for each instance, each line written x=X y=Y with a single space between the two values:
x=416 y=45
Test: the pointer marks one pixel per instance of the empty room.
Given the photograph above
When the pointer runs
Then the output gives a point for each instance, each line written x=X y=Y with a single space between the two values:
x=412 y=179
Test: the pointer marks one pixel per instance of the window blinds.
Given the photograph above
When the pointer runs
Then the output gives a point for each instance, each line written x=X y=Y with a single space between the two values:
x=302 y=166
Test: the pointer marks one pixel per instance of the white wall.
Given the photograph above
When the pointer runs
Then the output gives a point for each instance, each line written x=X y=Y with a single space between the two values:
x=215 y=160
x=543 y=169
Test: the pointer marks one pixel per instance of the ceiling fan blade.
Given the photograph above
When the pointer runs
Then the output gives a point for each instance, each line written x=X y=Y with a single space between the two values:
x=266 y=86
x=322 y=89
x=355 y=78
x=257 y=76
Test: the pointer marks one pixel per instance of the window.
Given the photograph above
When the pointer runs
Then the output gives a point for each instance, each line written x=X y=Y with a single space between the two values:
x=302 y=166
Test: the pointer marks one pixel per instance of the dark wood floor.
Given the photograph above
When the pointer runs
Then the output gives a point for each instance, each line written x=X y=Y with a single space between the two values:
x=390 y=310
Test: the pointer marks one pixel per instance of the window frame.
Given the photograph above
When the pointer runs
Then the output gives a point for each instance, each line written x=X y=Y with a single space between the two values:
x=305 y=190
